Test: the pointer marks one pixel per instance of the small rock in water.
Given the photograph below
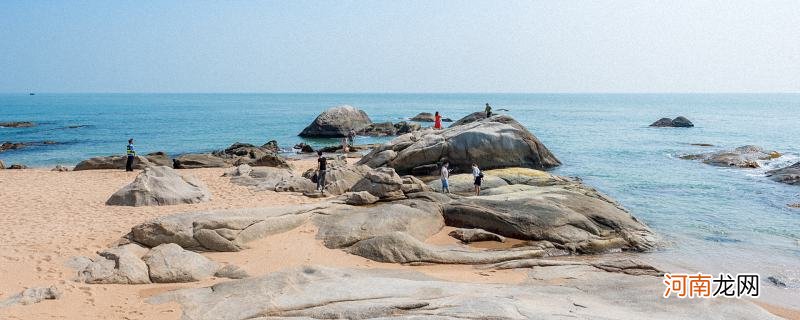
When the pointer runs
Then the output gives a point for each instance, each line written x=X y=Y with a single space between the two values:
x=17 y=124
x=794 y=205
x=776 y=281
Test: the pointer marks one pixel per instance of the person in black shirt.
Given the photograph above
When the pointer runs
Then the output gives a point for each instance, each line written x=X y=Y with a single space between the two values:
x=323 y=163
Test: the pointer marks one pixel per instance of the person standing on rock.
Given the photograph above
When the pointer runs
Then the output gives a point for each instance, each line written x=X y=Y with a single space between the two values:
x=323 y=164
x=437 y=121
x=445 y=175
x=488 y=110
x=131 y=152
x=478 y=177
x=351 y=137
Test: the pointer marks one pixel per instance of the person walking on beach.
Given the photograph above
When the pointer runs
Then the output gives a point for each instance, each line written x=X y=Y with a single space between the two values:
x=488 y=110
x=323 y=164
x=445 y=172
x=131 y=152
x=478 y=177
x=437 y=121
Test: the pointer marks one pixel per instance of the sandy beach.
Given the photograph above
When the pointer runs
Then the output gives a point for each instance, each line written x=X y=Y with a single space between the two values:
x=48 y=217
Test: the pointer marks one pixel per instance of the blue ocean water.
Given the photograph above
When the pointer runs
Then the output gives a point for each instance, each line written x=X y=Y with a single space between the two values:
x=712 y=219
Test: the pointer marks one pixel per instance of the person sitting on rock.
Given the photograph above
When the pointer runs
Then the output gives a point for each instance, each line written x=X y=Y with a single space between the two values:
x=322 y=166
x=488 y=110
x=478 y=177
x=445 y=172
x=437 y=121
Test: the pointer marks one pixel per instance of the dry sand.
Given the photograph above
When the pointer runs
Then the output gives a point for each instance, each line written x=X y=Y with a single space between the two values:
x=48 y=217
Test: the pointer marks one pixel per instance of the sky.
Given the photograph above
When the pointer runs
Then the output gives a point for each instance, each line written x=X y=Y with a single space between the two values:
x=400 y=46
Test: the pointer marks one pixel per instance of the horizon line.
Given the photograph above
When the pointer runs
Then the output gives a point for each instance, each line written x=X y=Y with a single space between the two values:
x=399 y=92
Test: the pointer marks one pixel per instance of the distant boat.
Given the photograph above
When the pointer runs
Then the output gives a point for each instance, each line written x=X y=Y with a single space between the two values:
x=31 y=94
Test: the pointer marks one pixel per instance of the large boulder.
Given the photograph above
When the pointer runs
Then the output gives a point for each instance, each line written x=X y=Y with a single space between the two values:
x=271 y=179
x=116 y=162
x=573 y=218
x=337 y=122
x=788 y=175
x=496 y=142
x=741 y=157
x=424 y=117
x=578 y=291
x=160 y=186
x=383 y=183
x=472 y=117
x=679 y=122
x=203 y=160
x=464 y=183
x=170 y=263
x=159 y=158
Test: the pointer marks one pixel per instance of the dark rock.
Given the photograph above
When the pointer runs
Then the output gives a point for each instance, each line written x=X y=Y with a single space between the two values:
x=204 y=160
x=497 y=142
x=337 y=122
x=404 y=127
x=379 y=129
x=679 y=122
x=788 y=175
x=682 y=122
x=18 y=166
x=60 y=168
x=17 y=124
x=11 y=146
x=304 y=148
x=159 y=158
x=271 y=145
x=777 y=282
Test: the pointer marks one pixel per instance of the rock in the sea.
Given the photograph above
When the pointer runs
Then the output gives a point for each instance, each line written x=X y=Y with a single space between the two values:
x=679 y=122
x=788 y=175
x=60 y=168
x=204 y=160
x=794 y=205
x=424 y=117
x=17 y=166
x=472 y=117
x=475 y=235
x=337 y=122
x=32 y=295
x=11 y=146
x=170 y=263
x=404 y=127
x=359 y=198
x=304 y=148
x=379 y=129
x=741 y=157
x=17 y=124
x=571 y=217
x=158 y=186
x=496 y=142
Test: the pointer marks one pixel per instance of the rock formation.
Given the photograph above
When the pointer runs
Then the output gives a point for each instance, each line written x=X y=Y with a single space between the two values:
x=17 y=124
x=118 y=162
x=424 y=117
x=472 y=117
x=741 y=157
x=679 y=122
x=337 y=122
x=497 y=142
x=788 y=175
x=160 y=186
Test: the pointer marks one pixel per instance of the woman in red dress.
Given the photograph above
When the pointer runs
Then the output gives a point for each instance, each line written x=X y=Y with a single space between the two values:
x=437 y=122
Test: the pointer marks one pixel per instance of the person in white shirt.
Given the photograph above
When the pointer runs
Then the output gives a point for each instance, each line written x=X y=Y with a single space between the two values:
x=478 y=177
x=445 y=174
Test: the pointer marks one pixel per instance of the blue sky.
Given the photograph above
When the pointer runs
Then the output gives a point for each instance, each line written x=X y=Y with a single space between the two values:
x=400 y=46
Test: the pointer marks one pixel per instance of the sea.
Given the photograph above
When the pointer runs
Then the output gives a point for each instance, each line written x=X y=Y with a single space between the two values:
x=710 y=219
